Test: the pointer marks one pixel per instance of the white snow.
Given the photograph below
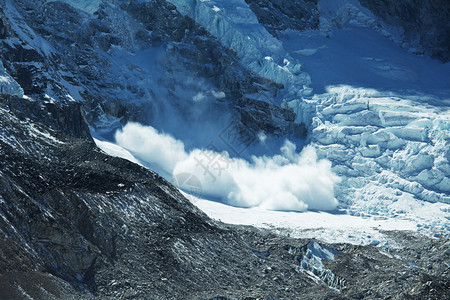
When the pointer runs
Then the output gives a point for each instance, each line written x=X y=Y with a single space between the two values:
x=116 y=151
x=7 y=84
x=24 y=31
x=327 y=227
x=24 y=293
x=379 y=115
x=287 y=181
x=35 y=132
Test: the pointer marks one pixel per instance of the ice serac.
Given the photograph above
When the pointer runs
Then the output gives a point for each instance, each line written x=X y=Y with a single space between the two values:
x=234 y=24
x=311 y=257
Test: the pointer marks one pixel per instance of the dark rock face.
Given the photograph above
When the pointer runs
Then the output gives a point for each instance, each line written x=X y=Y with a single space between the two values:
x=280 y=15
x=426 y=23
x=108 y=227
x=259 y=116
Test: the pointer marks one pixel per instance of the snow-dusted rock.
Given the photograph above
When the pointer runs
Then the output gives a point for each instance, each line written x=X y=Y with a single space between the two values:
x=237 y=28
x=7 y=84
x=89 y=6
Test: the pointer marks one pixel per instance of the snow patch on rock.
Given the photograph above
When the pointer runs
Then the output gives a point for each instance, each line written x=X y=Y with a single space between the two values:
x=89 y=6
x=235 y=25
x=7 y=84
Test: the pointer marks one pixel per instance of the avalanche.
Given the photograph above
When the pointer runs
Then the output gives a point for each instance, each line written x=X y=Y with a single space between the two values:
x=379 y=114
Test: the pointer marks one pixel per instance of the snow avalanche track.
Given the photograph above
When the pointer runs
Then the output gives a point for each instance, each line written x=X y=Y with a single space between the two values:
x=380 y=116
x=377 y=115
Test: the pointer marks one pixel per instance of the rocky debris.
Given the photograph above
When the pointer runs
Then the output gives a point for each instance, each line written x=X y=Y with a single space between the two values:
x=257 y=116
x=411 y=272
x=425 y=23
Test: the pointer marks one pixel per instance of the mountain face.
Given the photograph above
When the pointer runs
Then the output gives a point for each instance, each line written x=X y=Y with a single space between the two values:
x=425 y=23
x=97 y=58
x=77 y=223
x=351 y=79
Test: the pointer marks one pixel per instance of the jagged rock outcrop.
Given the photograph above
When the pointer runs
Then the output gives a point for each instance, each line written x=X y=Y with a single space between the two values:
x=105 y=225
x=280 y=15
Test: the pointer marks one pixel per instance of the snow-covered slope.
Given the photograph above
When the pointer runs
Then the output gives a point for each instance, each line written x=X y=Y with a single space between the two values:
x=379 y=112
x=382 y=116
x=220 y=79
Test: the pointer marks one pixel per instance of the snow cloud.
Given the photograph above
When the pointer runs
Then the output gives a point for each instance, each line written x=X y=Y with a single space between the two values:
x=159 y=150
x=289 y=181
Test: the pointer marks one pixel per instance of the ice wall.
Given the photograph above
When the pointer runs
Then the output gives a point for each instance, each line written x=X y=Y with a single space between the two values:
x=386 y=147
x=89 y=6
x=233 y=23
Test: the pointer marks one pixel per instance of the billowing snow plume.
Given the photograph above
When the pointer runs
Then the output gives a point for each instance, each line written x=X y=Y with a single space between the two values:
x=159 y=150
x=288 y=181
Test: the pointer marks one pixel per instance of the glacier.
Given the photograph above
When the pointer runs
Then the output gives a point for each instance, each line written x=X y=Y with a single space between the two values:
x=378 y=113
x=381 y=116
